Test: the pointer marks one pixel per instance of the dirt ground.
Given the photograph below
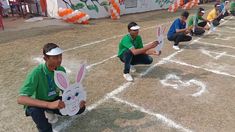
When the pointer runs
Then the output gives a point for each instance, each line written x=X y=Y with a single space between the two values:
x=187 y=90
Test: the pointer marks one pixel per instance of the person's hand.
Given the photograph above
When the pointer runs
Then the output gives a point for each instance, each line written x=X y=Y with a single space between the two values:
x=82 y=104
x=153 y=45
x=206 y=28
x=187 y=31
x=58 y=104
x=153 y=52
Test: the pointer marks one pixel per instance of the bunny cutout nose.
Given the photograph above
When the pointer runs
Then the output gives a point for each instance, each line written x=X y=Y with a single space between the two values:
x=73 y=97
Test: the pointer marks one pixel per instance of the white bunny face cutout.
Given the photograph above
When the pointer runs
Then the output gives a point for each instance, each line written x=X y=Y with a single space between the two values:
x=160 y=37
x=72 y=94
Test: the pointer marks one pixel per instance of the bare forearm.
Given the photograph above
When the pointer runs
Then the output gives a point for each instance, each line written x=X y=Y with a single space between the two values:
x=25 y=100
x=140 y=51
x=181 y=30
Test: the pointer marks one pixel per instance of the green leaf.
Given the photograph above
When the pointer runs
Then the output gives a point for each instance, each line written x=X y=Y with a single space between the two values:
x=90 y=7
x=104 y=3
x=96 y=8
x=80 y=5
x=73 y=7
x=106 y=8
x=93 y=7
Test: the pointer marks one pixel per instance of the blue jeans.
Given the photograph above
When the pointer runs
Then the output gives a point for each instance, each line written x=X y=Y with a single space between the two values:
x=40 y=119
x=128 y=58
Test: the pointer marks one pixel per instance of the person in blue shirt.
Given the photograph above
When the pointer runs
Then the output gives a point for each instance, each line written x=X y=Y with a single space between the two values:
x=224 y=8
x=178 y=31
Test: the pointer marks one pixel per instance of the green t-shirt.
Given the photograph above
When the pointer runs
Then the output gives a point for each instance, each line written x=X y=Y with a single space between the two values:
x=232 y=6
x=127 y=43
x=40 y=84
x=191 y=19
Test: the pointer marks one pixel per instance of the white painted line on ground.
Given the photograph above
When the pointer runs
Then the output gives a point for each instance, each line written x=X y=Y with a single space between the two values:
x=230 y=28
x=103 y=40
x=198 y=67
x=120 y=88
x=107 y=59
x=225 y=31
x=218 y=45
x=100 y=62
x=210 y=54
x=220 y=37
x=176 y=83
x=160 y=117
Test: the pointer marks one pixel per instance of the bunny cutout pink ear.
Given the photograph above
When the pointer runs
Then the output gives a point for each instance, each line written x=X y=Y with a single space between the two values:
x=158 y=31
x=61 y=80
x=81 y=73
x=163 y=29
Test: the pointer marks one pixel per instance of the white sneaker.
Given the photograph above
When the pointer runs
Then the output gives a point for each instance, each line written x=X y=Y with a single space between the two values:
x=52 y=118
x=132 y=69
x=176 y=47
x=128 y=77
x=222 y=20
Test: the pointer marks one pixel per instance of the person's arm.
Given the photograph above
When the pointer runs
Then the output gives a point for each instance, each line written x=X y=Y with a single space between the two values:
x=29 y=88
x=144 y=49
x=25 y=100
x=177 y=28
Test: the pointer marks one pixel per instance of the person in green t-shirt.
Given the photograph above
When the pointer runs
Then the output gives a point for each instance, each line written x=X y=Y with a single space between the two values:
x=132 y=52
x=197 y=23
x=232 y=7
x=39 y=93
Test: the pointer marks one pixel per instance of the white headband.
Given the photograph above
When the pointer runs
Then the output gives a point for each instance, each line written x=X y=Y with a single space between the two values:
x=135 y=27
x=55 y=51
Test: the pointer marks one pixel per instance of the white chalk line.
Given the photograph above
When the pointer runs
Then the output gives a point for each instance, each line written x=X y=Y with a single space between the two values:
x=107 y=59
x=178 y=84
x=218 y=54
x=122 y=87
x=198 y=67
x=160 y=117
x=225 y=31
x=220 y=37
x=103 y=40
x=217 y=45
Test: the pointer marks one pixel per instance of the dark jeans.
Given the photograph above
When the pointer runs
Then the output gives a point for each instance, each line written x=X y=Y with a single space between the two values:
x=128 y=58
x=179 y=37
x=225 y=14
x=216 y=22
x=40 y=119
x=199 y=31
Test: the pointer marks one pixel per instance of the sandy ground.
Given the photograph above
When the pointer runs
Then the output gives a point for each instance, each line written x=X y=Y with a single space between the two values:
x=151 y=102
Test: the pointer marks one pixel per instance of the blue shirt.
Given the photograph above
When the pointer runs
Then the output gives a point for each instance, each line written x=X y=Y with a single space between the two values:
x=221 y=7
x=177 y=24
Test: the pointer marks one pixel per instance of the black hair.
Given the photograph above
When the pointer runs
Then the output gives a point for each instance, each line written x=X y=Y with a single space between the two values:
x=185 y=14
x=131 y=24
x=216 y=4
x=47 y=47
x=200 y=10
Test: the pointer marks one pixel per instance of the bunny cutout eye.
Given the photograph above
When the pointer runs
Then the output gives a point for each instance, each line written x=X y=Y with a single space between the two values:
x=68 y=98
x=76 y=94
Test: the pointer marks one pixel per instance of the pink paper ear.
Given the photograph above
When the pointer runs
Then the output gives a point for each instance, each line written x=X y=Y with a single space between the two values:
x=80 y=74
x=61 y=80
x=158 y=31
x=163 y=29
